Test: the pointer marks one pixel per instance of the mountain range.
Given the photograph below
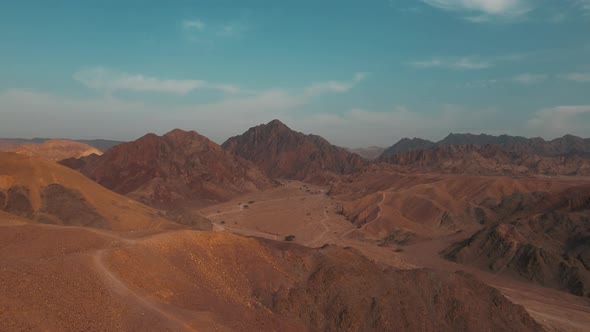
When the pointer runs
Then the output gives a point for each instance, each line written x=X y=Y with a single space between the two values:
x=564 y=146
x=281 y=230
x=172 y=171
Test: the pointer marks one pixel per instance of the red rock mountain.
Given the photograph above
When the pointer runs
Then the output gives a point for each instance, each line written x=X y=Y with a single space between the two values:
x=175 y=170
x=284 y=153
x=490 y=160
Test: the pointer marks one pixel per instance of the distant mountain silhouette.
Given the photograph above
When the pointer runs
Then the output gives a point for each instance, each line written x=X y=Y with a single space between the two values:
x=486 y=154
x=57 y=149
x=406 y=145
x=100 y=144
x=370 y=153
x=563 y=146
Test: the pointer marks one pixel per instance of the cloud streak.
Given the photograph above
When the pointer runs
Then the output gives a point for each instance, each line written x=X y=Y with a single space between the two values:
x=485 y=10
x=334 y=86
x=464 y=63
x=529 y=78
x=193 y=25
x=108 y=81
x=582 y=77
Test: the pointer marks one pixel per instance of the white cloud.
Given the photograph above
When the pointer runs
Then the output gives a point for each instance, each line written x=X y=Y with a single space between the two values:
x=110 y=117
x=109 y=81
x=583 y=4
x=194 y=25
x=484 y=11
x=120 y=119
x=464 y=63
x=199 y=31
x=360 y=127
x=490 y=7
x=528 y=78
x=334 y=86
x=578 y=77
x=561 y=120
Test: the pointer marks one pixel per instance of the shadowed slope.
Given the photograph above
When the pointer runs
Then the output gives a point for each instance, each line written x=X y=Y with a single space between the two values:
x=540 y=237
x=42 y=190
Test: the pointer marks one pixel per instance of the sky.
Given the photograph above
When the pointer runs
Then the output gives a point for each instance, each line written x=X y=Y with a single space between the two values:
x=357 y=72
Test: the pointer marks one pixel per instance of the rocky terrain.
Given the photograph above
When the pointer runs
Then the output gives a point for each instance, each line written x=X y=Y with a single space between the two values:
x=540 y=237
x=284 y=153
x=267 y=286
x=172 y=171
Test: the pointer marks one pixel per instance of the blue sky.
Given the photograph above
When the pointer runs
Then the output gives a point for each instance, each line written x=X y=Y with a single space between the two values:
x=356 y=72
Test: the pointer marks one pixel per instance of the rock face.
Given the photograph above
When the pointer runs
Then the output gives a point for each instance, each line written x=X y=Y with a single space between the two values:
x=540 y=237
x=284 y=153
x=173 y=171
x=57 y=149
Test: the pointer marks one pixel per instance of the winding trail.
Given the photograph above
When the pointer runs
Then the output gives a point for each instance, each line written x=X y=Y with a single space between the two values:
x=323 y=234
x=117 y=286
x=379 y=213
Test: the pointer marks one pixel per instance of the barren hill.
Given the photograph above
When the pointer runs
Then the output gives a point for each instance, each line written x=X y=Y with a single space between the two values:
x=41 y=190
x=57 y=149
x=172 y=171
x=284 y=153
x=191 y=281
x=99 y=144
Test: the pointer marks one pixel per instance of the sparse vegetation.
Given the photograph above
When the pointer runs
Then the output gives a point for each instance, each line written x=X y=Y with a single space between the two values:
x=289 y=237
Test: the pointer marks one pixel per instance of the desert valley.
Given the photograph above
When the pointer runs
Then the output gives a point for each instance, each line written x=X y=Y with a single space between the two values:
x=290 y=166
x=280 y=230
